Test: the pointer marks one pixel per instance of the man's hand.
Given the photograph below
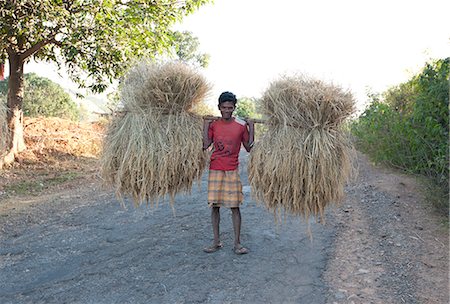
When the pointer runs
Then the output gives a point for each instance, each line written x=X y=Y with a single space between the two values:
x=250 y=122
x=206 y=122
x=207 y=119
x=251 y=132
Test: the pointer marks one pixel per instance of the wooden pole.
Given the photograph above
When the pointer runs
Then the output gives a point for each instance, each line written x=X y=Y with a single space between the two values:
x=255 y=120
x=210 y=117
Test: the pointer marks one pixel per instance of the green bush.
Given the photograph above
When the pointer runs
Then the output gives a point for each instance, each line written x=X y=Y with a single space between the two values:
x=250 y=108
x=408 y=127
x=246 y=108
x=43 y=97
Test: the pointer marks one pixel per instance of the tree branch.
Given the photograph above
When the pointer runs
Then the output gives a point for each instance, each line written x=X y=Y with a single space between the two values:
x=10 y=51
x=35 y=48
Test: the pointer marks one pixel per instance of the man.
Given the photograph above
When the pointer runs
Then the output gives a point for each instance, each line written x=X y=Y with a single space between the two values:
x=224 y=184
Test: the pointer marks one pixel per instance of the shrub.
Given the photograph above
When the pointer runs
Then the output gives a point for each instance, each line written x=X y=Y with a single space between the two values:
x=408 y=127
x=246 y=108
x=43 y=97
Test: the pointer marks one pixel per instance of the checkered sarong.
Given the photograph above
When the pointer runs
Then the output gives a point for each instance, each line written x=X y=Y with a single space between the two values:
x=224 y=189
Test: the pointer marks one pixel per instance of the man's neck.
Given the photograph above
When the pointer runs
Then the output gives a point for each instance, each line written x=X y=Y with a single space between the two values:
x=228 y=119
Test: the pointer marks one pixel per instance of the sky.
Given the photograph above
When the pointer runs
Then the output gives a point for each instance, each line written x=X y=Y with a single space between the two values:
x=360 y=45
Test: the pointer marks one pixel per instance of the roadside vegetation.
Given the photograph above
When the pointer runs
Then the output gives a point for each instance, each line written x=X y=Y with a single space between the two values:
x=407 y=127
x=251 y=108
x=36 y=101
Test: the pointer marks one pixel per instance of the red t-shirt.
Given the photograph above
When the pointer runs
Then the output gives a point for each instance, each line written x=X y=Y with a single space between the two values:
x=227 y=138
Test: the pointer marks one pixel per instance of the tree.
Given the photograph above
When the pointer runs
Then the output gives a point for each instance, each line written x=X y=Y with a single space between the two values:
x=186 y=49
x=2 y=71
x=246 y=108
x=93 y=39
x=36 y=101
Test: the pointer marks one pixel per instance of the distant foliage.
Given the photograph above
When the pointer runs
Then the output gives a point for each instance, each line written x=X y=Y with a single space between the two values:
x=186 y=49
x=408 y=125
x=246 y=108
x=203 y=108
x=43 y=97
x=113 y=103
x=250 y=108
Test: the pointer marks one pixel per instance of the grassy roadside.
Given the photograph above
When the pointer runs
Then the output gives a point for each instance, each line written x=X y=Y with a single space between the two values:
x=39 y=183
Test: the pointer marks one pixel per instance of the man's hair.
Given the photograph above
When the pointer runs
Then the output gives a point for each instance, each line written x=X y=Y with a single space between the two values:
x=227 y=96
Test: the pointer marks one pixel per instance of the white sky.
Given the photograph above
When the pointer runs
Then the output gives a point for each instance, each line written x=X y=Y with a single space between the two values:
x=353 y=43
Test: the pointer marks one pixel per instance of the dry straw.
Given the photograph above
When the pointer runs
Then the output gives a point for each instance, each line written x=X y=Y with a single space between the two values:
x=154 y=148
x=303 y=161
x=53 y=135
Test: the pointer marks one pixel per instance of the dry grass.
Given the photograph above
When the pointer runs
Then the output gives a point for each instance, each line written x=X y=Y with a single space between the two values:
x=303 y=161
x=44 y=136
x=168 y=88
x=307 y=103
x=155 y=148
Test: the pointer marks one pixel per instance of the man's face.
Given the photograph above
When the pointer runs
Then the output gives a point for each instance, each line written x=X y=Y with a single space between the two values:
x=226 y=109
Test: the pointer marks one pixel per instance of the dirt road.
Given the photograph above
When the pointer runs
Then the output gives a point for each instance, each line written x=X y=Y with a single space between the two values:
x=80 y=245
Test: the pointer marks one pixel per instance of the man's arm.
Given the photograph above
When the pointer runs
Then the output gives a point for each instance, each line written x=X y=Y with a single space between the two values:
x=206 y=140
x=251 y=135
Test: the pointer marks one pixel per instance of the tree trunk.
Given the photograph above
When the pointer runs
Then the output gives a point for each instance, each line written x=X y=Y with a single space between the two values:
x=2 y=71
x=16 y=142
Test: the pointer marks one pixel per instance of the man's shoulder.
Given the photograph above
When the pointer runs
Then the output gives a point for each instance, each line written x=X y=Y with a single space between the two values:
x=240 y=121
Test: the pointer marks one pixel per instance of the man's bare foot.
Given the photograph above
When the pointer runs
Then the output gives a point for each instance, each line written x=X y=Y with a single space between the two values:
x=240 y=249
x=213 y=248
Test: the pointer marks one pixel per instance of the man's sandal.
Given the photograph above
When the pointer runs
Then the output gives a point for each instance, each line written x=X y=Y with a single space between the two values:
x=240 y=250
x=213 y=248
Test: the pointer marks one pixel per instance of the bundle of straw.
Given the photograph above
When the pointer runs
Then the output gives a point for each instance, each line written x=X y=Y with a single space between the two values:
x=303 y=161
x=155 y=147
